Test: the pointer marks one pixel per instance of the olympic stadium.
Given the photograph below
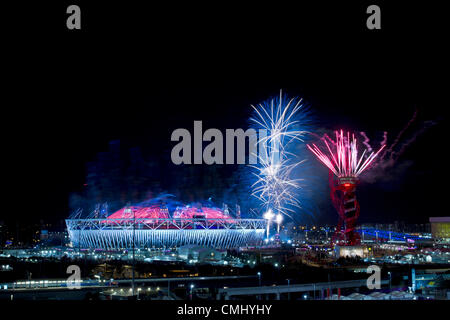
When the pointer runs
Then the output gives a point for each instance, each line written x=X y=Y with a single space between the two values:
x=154 y=227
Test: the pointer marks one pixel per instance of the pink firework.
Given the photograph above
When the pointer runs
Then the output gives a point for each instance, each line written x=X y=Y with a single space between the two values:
x=343 y=161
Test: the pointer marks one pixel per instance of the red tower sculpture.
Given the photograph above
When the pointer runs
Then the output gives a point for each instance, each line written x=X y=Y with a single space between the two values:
x=345 y=167
x=343 y=197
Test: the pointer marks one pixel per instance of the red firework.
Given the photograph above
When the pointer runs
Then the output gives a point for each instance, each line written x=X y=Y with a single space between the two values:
x=345 y=167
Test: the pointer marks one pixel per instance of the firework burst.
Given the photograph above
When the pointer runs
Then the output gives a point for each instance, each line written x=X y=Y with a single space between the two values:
x=344 y=161
x=275 y=186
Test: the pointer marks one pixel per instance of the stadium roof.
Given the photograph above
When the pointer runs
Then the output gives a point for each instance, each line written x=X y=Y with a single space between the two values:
x=439 y=219
x=158 y=212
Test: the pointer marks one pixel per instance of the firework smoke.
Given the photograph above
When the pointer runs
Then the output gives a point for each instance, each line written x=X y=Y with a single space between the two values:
x=389 y=157
x=390 y=150
x=366 y=141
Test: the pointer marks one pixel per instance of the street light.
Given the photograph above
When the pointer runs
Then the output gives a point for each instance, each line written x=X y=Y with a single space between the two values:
x=289 y=292
x=259 y=281
x=168 y=288
x=192 y=287
x=390 y=279
x=268 y=216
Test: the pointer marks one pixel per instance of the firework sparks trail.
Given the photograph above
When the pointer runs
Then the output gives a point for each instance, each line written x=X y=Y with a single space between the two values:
x=326 y=137
x=275 y=188
x=344 y=162
x=274 y=185
x=391 y=154
x=405 y=145
x=397 y=139
x=366 y=141
x=385 y=134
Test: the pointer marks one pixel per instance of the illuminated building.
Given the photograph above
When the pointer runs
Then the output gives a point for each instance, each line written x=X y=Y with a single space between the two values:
x=152 y=227
x=440 y=227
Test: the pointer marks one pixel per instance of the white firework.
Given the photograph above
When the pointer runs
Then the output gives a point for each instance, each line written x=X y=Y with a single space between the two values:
x=275 y=186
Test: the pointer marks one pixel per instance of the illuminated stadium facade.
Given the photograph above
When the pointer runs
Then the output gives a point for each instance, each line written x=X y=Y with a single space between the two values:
x=151 y=227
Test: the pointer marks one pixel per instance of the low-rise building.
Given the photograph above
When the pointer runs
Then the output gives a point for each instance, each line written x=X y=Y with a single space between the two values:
x=440 y=227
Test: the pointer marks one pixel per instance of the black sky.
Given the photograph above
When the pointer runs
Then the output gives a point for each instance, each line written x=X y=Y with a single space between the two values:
x=136 y=74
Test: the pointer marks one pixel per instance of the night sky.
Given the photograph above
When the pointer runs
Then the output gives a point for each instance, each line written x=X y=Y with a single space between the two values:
x=137 y=76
